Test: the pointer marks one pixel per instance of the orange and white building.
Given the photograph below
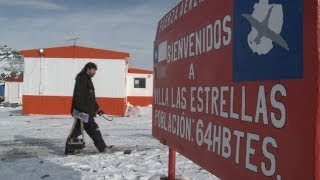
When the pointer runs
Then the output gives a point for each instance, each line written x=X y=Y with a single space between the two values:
x=49 y=79
x=140 y=87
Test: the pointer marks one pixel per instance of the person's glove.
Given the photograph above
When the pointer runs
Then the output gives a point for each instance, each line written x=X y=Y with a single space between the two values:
x=100 y=112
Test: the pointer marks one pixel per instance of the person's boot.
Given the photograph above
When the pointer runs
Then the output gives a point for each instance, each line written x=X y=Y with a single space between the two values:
x=107 y=149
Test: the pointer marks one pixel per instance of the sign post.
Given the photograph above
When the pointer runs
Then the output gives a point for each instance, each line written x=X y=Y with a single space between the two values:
x=236 y=87
x=172 y=164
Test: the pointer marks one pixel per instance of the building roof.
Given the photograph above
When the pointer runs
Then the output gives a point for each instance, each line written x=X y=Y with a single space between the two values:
x=12 y=79
x=139 y=71
x=76 y=52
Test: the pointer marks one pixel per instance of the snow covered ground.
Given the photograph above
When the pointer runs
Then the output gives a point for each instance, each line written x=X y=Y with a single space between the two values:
x=32 y=147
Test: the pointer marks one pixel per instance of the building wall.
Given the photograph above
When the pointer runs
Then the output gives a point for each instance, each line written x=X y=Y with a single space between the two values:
x=61 y=105
x=49 y=83
x=13 y=92
x=140 y=96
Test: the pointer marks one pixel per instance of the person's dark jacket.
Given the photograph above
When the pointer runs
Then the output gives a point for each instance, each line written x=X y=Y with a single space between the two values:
x=84 y=99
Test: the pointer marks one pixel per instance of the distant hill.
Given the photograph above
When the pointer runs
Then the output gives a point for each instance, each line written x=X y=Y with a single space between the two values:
x=11 y=64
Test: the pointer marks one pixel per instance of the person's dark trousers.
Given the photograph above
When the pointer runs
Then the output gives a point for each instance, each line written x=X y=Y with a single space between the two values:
x=92 y=130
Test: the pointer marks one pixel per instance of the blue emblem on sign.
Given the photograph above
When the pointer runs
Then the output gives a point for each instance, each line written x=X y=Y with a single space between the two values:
x=268 y=40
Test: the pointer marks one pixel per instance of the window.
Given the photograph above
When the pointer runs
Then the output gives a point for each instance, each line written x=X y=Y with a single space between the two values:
x=139 y=82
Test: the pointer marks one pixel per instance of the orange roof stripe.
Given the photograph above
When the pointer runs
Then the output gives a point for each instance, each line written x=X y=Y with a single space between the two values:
x=139 y=71
x=76 y=52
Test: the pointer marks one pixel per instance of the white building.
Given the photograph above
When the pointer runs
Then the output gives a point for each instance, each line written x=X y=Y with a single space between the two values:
x=140 y=87
x=49 y=79
x=13 y=92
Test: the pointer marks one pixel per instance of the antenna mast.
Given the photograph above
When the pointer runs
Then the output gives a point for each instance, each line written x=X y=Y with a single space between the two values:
x=74 y=40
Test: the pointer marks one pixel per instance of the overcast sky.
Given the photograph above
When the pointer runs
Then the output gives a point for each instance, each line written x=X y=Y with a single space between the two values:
x=125 y=25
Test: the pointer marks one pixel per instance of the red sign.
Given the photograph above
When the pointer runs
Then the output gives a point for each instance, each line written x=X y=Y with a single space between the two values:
x=236 y=87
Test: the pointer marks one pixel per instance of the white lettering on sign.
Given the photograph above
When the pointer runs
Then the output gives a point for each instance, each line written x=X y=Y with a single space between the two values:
x=178 y=125
x=239 y=135
x=244 y=117
x=233 y=115
x=223 y=102
x=213 y=36
x=278 y=123
x=177 y=13
x=191 y=72
x=261 y=106
x=250 y=151
x=220 y=102
x=270 y=171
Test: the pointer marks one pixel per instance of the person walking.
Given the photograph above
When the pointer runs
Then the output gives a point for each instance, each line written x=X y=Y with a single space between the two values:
x=84 y=101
